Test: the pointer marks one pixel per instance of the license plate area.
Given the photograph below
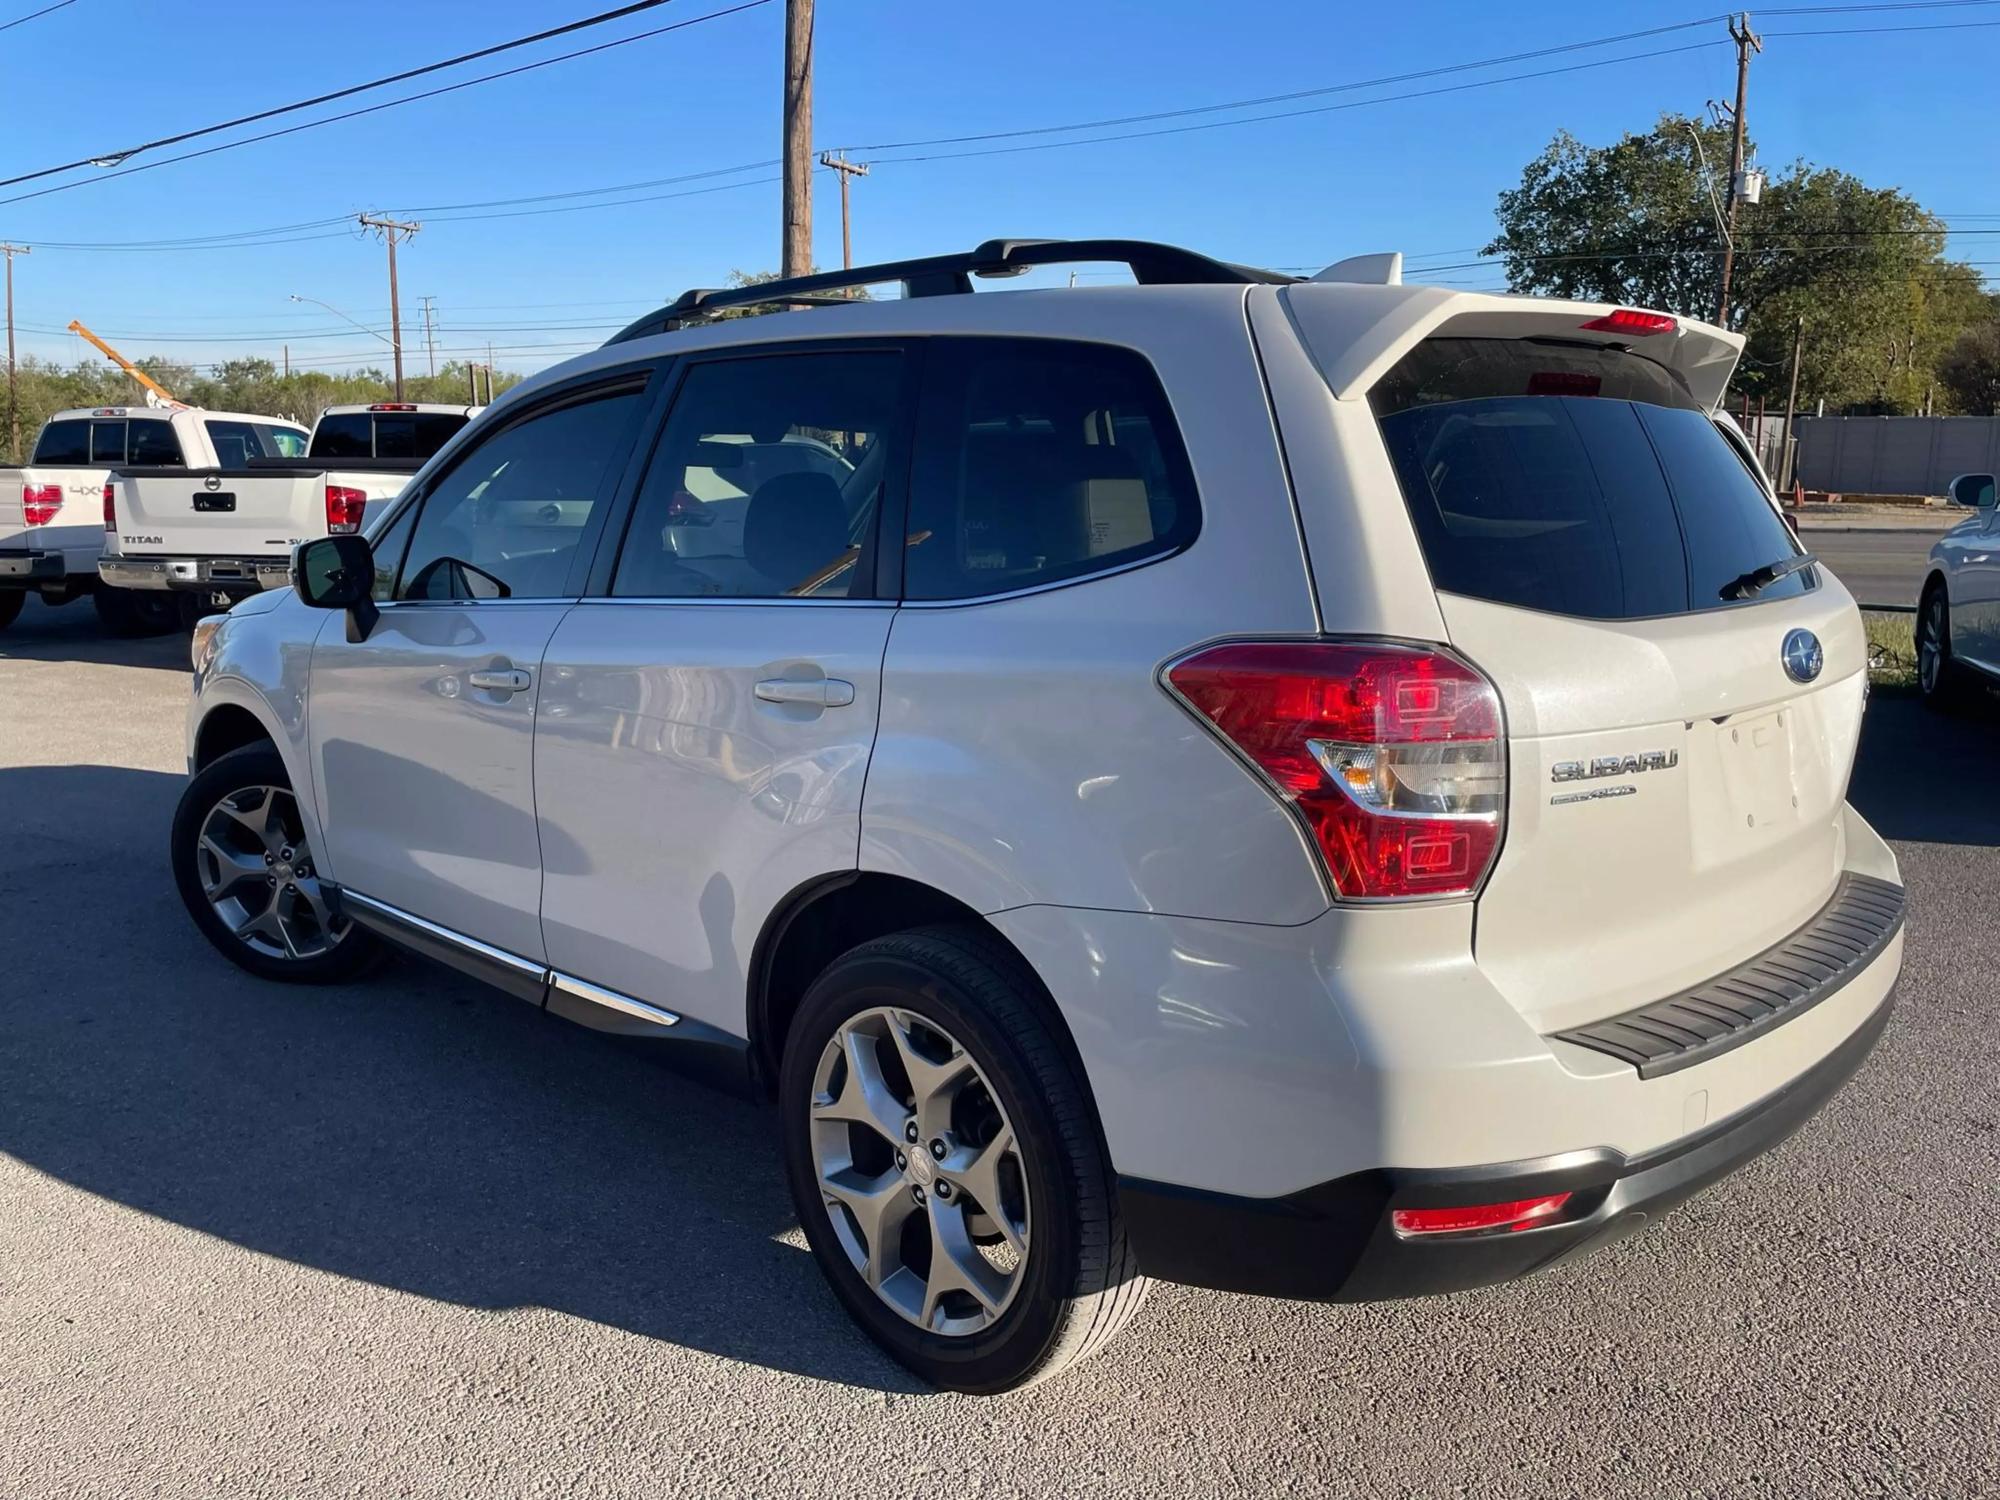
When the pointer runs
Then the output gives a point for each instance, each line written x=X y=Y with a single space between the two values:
x=209 y=500
x=1755 y=753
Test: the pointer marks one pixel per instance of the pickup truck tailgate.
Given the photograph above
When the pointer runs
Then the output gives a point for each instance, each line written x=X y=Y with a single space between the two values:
x=218 y=513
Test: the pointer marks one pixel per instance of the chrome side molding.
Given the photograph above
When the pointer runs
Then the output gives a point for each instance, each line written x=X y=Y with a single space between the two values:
x=532 y=981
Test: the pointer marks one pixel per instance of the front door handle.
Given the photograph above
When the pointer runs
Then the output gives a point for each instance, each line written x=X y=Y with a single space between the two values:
x=501 y=680
x=826 y=692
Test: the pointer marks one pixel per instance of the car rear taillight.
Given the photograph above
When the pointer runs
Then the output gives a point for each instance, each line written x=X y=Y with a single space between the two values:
x=344 y=508
x=40 y=502
x=1478 y=1218
x=110 y=509
x=1631 y=320
x=1393 y=755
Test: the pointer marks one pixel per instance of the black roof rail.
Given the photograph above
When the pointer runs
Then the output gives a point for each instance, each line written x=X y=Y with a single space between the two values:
x=945 y=275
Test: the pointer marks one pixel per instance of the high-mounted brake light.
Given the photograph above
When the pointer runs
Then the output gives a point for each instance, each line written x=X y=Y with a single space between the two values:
x=344 y=509
x=394 y=406
x=1392 y=755
x=110 y=509
x=1631 y=320
x=1522 y=1213
x=40 y=502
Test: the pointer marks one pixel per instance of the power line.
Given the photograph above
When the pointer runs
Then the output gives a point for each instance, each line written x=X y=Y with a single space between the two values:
x=34 y=15
x=109 y=157
x=63 y=187
x=1880 y=30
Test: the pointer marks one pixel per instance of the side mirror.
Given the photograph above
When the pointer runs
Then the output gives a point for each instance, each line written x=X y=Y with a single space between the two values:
x=338 y=572
x=1974 y=491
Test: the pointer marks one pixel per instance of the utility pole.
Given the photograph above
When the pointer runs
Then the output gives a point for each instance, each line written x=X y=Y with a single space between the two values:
x=796 y=256
x=847 y=169
x=1747 y=41
x=430 y=334
x=13 y=394
x=1790 y=464
x=288 y=361
x=390 y=229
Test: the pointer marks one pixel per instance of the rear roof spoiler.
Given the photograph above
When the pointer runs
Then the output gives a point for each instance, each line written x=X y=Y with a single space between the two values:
x=1355 y=333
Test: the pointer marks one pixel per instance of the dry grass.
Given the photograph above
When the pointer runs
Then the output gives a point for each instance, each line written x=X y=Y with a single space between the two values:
x=1892 y=652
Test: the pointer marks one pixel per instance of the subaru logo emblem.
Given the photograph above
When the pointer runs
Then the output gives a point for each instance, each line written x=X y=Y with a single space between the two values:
x=1802 y=655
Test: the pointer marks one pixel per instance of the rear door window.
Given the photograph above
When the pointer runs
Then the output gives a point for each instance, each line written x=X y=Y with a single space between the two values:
x=1579 y=480
x=1040 y=460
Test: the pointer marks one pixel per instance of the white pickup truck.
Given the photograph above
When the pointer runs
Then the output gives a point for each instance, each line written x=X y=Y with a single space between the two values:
x=53 y=517
x=227 y=530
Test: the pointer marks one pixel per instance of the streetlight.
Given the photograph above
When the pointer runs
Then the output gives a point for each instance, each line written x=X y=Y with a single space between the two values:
x=373 y=333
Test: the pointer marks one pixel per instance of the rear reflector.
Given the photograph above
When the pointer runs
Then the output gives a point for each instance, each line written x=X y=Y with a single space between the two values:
x=1391 y=754
x=1630 y=320
x=40 y=502
x=344 y=509
x=110 y=509
x=1522 y=1213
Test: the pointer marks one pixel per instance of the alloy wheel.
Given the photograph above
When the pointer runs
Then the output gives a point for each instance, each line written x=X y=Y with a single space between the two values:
x=920 y=1172
x=1930 y=643
x=258 y=875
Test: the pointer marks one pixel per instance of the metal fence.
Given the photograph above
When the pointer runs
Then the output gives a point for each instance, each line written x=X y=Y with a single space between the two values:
x=1895 y=455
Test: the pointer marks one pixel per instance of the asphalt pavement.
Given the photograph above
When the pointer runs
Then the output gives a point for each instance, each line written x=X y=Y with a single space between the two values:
x=409 y=1237
x=1878 y=565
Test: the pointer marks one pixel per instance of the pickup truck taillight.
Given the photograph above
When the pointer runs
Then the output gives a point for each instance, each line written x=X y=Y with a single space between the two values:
x=1392 y=755
x=110 y=509
x=344 y=507
x=40 y=502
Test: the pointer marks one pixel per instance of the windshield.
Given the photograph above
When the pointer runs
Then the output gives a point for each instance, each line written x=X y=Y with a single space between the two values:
x=1576 y=479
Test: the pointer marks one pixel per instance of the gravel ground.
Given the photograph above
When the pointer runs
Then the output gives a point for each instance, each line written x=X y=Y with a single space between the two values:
x=410 y=1238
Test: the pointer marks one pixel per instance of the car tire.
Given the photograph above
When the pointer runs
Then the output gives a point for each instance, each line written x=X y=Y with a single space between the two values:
x=1018 y=1106
x=130 y=613
x=11 y=601
x=247 y=876
x=1940 y=680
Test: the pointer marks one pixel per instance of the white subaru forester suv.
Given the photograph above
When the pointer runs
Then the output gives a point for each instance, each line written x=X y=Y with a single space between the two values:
x=1330 y=789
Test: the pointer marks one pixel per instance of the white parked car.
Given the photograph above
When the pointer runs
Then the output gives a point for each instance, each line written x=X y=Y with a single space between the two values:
x=55 y=514
x=228 y=529
x=1958 y=608
x=1327 y=789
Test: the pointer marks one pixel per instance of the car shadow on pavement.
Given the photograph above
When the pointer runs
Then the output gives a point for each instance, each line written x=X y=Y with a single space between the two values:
x=1926 y=776
x=72 y=632
x=415 y=1130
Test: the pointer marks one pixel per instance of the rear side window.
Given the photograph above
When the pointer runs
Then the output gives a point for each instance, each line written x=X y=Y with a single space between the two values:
x=63 y=443
x=1038 y=461
x=1573 y=479
x=346 y=436
x=153 y=443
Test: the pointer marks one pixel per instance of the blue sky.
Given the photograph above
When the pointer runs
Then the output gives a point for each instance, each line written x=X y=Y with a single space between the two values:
x=1913 y=109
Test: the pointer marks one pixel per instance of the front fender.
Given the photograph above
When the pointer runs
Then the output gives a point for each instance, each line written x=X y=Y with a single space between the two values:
x=261 y=666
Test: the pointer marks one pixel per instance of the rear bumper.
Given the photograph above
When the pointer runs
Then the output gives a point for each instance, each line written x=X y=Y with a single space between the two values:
x=27 y=570
x=1334 y=1242
x=229 y=575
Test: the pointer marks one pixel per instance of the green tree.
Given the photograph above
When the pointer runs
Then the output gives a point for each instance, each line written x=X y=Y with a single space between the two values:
x=1866 y=268
x=1970 y=372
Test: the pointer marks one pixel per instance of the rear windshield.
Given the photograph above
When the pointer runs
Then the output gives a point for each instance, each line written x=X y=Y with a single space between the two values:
x=108 y=442
x=385 y=434
x=236 y=443
x=1575 y=479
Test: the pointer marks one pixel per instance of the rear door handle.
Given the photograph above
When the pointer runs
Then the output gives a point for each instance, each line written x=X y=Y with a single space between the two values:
x=501 y=680
x=827 y=692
